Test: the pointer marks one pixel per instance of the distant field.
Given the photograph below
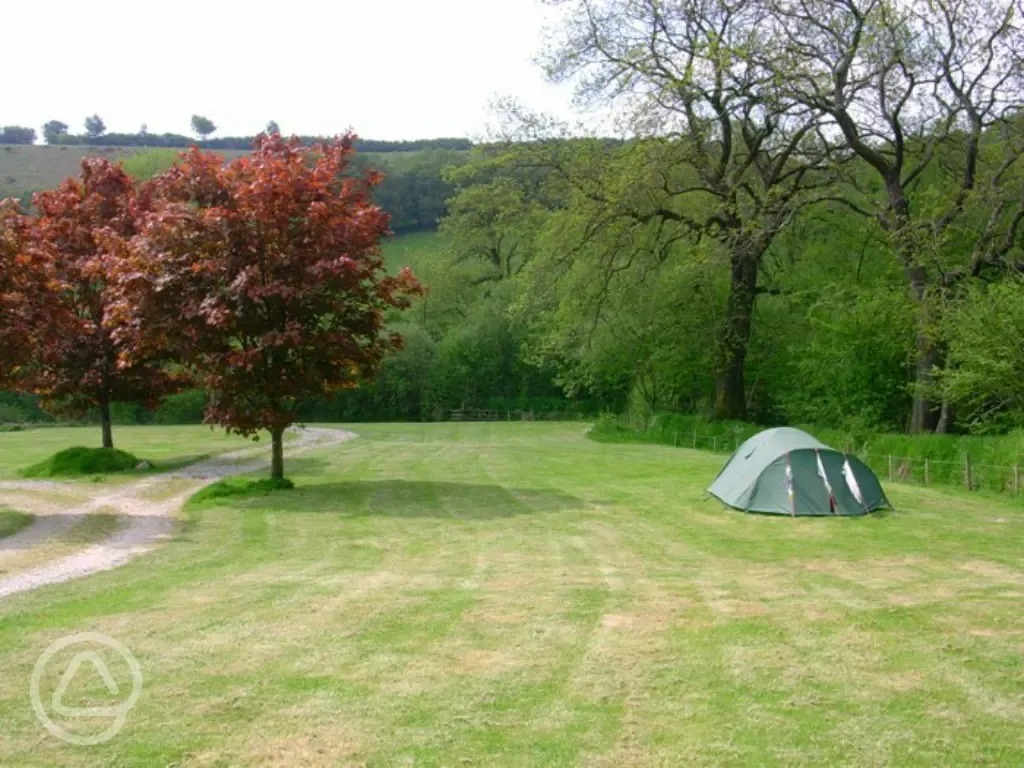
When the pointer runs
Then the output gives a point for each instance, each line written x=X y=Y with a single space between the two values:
x=25 y=169
x=413 y=250
x=31 y=168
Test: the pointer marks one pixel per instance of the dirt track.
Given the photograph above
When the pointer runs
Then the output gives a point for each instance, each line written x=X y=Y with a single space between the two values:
x=145 y=523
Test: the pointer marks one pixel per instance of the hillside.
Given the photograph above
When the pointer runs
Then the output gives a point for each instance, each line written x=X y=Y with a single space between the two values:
x=29 y=168
x=413 y=190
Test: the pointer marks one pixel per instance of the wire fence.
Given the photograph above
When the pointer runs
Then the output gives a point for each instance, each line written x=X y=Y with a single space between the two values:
x=489 y=414
x=916 y=470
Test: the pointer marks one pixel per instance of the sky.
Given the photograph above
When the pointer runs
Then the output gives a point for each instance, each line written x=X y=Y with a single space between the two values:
x=389 y=69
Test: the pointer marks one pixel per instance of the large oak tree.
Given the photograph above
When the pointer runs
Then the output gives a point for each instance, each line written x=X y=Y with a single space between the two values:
x=929 y=95
x=736 y=158
x=264 y=278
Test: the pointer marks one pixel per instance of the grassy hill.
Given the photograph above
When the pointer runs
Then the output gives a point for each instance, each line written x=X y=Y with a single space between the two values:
x=25 y=169
x=413 y=190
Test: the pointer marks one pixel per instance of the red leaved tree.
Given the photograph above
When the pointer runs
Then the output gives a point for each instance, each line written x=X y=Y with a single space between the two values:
x=28 y=295
x=79 y=365
x=264 y=278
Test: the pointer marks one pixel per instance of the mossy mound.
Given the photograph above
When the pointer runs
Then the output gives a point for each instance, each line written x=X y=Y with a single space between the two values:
x=83 y=461
x=239 y=487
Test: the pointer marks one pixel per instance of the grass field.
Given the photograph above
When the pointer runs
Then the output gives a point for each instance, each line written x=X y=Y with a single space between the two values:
x=414 y=250
x=515 y=594
x=30 y=168
x=26 y=168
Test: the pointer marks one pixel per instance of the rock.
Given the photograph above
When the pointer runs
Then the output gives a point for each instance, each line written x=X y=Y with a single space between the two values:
x=142 y=466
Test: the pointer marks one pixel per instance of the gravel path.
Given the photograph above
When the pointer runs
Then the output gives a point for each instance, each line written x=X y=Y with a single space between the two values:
x=145 y=522
x=41 y=529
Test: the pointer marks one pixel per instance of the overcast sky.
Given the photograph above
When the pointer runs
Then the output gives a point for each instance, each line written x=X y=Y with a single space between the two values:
x=390 y=69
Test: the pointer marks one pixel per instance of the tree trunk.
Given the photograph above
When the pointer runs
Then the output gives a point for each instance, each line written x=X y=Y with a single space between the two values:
x=926 y=411
x=108 y=435
x=730 y=391
x=277 y=453
x=945 y=418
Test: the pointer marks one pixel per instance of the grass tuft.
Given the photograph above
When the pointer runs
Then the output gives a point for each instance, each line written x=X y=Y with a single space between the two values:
x=83 y=461
x=239 y=487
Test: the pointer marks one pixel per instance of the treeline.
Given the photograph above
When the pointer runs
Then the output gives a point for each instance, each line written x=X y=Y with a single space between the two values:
x=807 y=225
x=840 y=247
x=414 y=190
x=17 y=134
x=629 y=311
x=174 y=141
x=56 y=133
x=546 y=293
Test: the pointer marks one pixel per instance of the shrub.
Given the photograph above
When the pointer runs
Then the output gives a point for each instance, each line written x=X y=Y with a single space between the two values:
x=83 y=461
x=237 y=487
x=11 y=414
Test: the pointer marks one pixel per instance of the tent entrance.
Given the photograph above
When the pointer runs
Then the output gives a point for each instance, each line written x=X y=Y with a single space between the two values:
x=842 y=479
x=810 y=482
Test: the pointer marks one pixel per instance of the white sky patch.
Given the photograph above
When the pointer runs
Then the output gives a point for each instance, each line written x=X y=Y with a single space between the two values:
x=390 y=69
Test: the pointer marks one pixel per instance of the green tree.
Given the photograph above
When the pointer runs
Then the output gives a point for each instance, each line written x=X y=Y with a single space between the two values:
x=490 y=223
x=203 y=126
x=95 y=127
x=928 y=96
x=17 y=134
x=985 y=375
x=53 y=130
x=623 y=312
x=724 y=154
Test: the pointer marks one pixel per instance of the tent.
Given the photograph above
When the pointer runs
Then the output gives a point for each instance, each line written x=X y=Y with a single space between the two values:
x=785 y=471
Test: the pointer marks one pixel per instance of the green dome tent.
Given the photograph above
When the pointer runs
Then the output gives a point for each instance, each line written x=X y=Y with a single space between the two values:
x=785 y=471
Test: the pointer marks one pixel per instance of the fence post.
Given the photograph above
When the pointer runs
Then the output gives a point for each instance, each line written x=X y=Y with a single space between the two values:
x=694 y=438
x=1016 y=479
x=677 y=438
x=926 y=472
x=890 y=467
x=967 y=472
x=714 y=443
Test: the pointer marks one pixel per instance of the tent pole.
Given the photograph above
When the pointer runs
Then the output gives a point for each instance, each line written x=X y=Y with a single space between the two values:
x=824 y=481
x=789 y=489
